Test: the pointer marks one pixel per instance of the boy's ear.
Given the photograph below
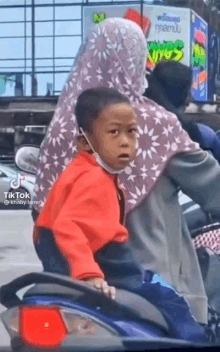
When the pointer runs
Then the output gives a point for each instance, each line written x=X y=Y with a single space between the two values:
x=82 y=143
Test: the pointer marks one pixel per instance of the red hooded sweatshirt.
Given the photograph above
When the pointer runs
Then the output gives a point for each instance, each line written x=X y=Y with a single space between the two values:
x=82 y=211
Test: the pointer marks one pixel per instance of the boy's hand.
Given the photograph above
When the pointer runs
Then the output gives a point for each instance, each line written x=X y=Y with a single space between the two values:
x=103 y=286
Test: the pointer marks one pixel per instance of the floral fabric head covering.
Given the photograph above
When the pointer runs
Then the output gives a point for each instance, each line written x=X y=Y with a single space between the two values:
x=113 y=56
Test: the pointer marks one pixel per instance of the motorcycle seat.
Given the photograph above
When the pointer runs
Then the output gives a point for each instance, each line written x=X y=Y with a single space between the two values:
x=126 y=304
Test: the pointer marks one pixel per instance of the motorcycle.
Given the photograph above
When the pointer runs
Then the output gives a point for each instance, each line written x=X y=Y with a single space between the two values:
x=59 y=313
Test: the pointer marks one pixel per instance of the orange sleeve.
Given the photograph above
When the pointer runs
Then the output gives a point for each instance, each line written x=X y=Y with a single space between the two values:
x=75 y=247
x=88 y=220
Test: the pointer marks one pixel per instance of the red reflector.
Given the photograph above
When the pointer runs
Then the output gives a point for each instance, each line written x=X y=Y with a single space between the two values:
x=42 y=326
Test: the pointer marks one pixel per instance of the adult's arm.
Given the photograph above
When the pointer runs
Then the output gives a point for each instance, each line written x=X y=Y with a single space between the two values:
x=198 y=175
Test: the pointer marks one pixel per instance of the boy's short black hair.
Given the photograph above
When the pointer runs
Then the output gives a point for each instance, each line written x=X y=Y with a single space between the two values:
x=92 y=102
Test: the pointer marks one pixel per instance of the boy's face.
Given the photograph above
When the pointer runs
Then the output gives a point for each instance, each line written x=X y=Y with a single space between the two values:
x=114 y=135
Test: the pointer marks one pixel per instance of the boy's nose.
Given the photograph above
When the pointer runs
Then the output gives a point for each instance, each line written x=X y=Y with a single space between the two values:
x=124 y=140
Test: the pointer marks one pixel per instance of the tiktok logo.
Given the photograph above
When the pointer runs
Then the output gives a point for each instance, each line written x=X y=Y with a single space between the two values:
x=16 y=183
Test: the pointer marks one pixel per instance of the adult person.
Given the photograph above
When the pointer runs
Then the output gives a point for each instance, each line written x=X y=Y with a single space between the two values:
x=169 y=86
x=114 y=55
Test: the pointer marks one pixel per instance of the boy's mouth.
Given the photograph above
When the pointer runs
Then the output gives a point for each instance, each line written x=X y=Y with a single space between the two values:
x=124 y=157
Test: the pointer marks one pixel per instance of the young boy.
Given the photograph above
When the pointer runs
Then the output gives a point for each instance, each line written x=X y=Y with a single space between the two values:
x=80 y=231
x=82 y=212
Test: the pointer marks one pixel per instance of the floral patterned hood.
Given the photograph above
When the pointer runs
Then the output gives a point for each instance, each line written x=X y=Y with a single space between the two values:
x=113 y=55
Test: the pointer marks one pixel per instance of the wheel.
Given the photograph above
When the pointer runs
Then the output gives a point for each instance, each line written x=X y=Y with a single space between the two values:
x=17 y=196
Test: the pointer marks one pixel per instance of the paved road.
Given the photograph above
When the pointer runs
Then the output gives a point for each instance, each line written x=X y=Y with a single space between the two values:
x=17 y=255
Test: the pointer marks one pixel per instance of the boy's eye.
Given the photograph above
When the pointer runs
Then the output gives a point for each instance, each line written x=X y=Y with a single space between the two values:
x=133 y=130
x=114 y=132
